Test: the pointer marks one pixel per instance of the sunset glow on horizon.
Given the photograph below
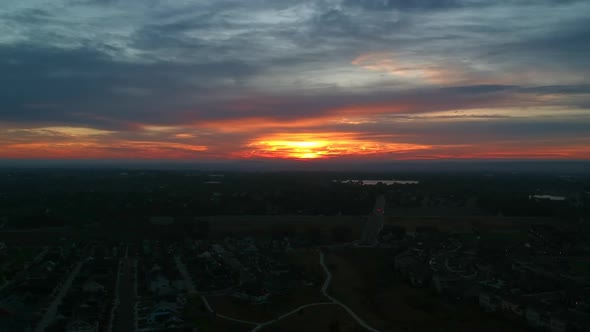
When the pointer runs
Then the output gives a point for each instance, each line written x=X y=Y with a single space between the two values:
x=298 y=80
x=323 y=145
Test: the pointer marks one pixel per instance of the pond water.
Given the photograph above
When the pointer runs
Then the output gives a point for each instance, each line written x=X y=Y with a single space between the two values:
x=374 y=182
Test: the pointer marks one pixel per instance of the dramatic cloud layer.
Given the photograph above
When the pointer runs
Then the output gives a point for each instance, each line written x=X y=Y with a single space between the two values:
x=350 y=79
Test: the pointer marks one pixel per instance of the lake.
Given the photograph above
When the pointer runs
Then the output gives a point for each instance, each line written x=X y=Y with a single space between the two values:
x=374 y=182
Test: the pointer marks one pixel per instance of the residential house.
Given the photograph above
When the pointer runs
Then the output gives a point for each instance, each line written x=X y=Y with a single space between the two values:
x=414 y=267
x=488 y=301
x=161 y=286
x=511 y=306
x=162 y=311
x=91 y=286
x=79 y=325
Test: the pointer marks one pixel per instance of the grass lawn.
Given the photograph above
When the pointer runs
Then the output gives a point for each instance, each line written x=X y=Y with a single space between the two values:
x=280 y=304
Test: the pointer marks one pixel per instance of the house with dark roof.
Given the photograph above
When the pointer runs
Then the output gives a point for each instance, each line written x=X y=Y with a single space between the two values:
x=80 y=325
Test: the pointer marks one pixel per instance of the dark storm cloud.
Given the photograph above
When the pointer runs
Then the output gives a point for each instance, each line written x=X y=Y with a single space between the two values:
x=559 y=89
x=566 y=46
x=91 y=88
x=436 y=5
x=407 y=4
x=477 y=89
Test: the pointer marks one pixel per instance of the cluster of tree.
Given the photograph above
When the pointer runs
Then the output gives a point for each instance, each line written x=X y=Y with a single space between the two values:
x=100 y=195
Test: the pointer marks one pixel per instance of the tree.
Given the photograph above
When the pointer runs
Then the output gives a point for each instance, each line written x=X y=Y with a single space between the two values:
x=202 y=228
x=342 y=234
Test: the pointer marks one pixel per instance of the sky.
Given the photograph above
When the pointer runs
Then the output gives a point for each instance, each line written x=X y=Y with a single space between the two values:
x=378 y=80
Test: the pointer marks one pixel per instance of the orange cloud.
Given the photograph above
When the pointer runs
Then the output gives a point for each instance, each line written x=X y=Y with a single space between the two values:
x=259 y=123
x=499 y=150
x=297 y=146
x=338 y=115
x=323 y=145
x=95 y=150
x=388 y=62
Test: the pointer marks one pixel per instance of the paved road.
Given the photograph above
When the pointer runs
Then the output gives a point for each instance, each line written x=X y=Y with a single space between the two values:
x=374 y=223
x=52 y=309
x=125 y=321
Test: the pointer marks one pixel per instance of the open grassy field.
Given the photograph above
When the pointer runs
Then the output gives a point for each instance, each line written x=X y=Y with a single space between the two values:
x=307 y=260
x=35 y=237
x=278 y=305
x=217 y=324
x=328 y=317
x=220 y=324
x=205 y=321
x=258 y=225
x=577 y=266
x=466 y=224
x=364 y=281
x=263 y=224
